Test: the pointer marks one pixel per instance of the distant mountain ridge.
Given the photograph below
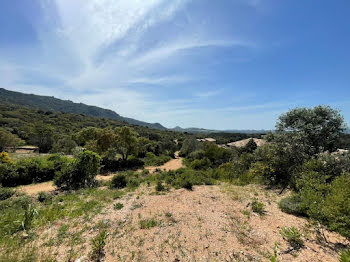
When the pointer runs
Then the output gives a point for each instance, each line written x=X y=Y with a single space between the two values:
x=50 y=103
x=203 y=130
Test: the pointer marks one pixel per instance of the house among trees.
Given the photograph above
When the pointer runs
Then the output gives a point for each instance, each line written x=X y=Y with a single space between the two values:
x=244 y=142
x=22 y=149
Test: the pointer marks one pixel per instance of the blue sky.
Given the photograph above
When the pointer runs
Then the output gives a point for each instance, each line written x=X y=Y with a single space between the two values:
x=228 y=64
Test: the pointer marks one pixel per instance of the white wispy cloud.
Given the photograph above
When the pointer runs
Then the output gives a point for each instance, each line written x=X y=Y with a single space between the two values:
x=100 y=50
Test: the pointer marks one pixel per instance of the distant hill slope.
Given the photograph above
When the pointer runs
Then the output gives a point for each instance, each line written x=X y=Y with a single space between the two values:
x=50 y=103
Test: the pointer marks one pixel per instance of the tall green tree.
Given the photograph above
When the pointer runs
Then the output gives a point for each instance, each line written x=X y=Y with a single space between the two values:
x=126 y=141
x=316 y=129
x=42 y=136
x=8 y=139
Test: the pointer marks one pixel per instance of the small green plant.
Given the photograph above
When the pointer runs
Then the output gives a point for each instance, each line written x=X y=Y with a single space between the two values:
x=148 y=223
x=159 y=186
x=43 y=196
x=29 y=213
x=98 y=244
x=344 y=256
x=293 y=237
x=118 y=206
x=258 y=207
x=273 y=258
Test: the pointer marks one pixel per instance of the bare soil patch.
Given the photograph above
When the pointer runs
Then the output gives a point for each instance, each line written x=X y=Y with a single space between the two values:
x=34 y=189
x=210 y=223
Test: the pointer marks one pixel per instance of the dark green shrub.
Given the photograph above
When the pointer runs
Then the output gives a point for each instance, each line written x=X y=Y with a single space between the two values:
x=199 y=154
x=249 y=147
x=200 y=163
x=133 y=182
x=159 y=186
x=217 y=155
x=187 y=185
x=8 y=175
x=43 y=197
x=336 y=207
x=291 y=205
x=153 y=160
x=119 y=181
x=6 y=193
x=293 y=236
x=80 y=172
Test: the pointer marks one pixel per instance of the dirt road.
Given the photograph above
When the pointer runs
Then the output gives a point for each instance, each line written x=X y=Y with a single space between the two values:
x=34 y=189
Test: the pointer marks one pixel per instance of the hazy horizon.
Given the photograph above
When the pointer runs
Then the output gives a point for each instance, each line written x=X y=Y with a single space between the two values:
x=236 y=64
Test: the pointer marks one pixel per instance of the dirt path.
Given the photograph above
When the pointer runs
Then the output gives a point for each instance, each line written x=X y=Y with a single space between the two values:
x=34 y=189
x=173 y=164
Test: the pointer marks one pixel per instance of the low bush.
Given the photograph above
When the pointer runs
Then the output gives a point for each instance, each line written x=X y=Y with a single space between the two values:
x=153 y=160
x=200 y=163
x=159 y=186
x=6 y=193
x=186 y=178
x=291 y=205
x=118 y=181
x=79 y=172
x=336 y=207
x=33 y=170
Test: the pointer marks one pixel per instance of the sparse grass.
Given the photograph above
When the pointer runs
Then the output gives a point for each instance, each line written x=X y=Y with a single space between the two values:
x=148 y=223
x=293 y=236
x=170 y=217
x=273 y=257
x=247 y=213
x=82 y=204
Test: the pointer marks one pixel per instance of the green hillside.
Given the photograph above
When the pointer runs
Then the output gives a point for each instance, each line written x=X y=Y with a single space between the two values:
x=49 y=103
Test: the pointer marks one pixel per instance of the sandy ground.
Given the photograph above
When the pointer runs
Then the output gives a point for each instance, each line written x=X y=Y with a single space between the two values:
x=34 y=189
x=210 y=223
